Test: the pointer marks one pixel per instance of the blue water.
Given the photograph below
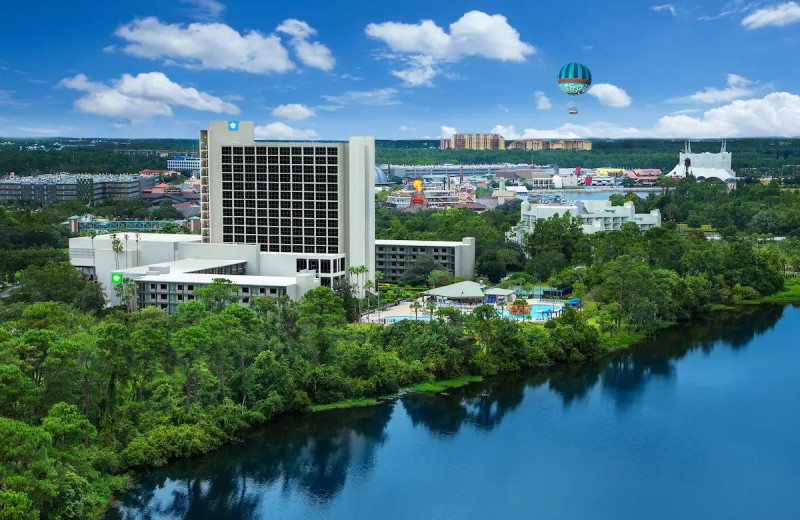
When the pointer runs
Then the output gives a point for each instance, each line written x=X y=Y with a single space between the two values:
x=537 y=312
x=595 y=194
x=700 y=423
x=401 y=318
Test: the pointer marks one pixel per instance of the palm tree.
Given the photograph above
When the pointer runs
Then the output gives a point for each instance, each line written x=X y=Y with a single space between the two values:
x=431 y=306
x=126 y=292
x=126 y=250
x=361 y=269
x=502 y=304
x=416 y=306
x=92 y=234
x=352 y=270
x=368 y=285
x=116 y=247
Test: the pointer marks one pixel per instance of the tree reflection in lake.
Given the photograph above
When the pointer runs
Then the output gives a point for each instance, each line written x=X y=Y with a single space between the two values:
x=309 y=459
x=310 y=454
x=626 y=374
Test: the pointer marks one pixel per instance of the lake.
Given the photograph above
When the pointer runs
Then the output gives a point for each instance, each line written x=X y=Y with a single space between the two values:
x=700 y=422
x=597 y=194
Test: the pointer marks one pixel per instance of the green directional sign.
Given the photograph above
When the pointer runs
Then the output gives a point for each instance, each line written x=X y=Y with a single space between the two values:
x=116 y=278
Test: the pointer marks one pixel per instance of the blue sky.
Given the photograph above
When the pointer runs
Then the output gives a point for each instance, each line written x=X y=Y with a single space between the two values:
x=399 y=70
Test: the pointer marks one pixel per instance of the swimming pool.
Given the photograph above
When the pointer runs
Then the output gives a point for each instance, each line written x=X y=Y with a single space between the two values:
x=394 y=319
x=538 y=312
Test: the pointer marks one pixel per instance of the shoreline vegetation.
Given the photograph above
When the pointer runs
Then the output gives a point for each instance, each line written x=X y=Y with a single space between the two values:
x=619 y=341
x=90 y=396
x=429 y=387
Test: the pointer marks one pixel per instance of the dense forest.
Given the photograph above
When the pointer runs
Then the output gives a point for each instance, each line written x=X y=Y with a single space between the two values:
x=755 y=157
x=753 y=208
x=33 y=236
x=88 y=395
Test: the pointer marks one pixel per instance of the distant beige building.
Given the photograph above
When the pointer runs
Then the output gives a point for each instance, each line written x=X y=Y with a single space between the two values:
x=474 y=142
x=545 y=144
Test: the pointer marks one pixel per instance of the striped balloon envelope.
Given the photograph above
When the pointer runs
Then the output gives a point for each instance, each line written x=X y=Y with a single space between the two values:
x=574 y=78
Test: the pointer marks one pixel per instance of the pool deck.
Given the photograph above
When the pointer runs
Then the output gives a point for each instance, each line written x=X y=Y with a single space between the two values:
x=404 y=309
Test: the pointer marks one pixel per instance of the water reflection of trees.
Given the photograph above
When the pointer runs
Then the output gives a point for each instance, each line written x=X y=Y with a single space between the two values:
x=483 y=406
x=314 y=454
x=623 y=375
x=311 y=454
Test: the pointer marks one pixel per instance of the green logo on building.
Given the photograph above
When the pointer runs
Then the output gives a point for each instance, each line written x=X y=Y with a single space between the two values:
x=116 y=278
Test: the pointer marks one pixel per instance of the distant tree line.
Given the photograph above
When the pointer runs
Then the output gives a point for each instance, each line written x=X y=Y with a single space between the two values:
x=750 y=156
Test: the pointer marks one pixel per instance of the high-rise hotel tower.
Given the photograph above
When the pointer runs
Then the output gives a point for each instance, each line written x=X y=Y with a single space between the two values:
x=310 y=203
x=277 y=219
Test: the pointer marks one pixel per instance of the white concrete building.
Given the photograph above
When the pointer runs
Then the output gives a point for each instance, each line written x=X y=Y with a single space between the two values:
x=180 y=259
x=277 y=218
x=596 y=215
x=704 y=166
x=312 y=201
x=296 y=215
x=394 y=257
x=565 y=180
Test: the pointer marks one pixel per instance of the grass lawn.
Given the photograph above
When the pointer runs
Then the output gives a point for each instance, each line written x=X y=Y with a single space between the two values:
x=432 y=387
x=439 y=386
x=621 y=339
x=626 y=338
x=685 y=227
x=349 y=403
x=790 y=294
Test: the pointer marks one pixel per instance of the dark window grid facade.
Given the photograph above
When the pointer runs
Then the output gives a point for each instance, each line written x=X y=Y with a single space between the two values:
x=297 y=186
x=168 y=296
x=393 y=261
x=323 y=266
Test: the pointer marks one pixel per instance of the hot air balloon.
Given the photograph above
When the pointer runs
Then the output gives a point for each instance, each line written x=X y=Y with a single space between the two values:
x=574 y=79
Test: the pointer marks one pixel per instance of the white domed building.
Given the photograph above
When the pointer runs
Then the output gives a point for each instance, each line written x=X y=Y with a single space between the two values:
x=705 y=166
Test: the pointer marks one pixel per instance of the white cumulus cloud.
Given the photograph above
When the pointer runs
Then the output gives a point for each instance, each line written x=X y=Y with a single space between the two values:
x=776 y=15
x=776 y=114
x=312 y=54
x=738 y=87
x=420 y=71
x=610 y=95
x=156 y=85
x=447 y=132
x=217 y=46
x=292 y=111
x=140 y=97
x=425 y=45
x=542 y=101
x=506 y=131
x=278 y=130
